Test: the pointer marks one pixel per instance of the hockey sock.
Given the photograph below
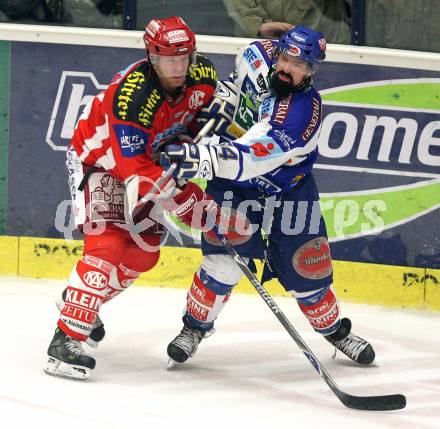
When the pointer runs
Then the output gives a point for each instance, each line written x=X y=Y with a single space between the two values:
x=321 y=309
x=205 y=299
x=84 y=296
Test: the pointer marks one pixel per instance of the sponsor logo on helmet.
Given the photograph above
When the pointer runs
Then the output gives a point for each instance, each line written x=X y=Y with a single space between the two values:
x=298 y=37
x=294 y=51
x=155 y=25
x=177 y=36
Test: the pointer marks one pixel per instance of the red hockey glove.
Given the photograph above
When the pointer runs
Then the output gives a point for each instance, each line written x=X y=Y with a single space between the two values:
x=191 y=205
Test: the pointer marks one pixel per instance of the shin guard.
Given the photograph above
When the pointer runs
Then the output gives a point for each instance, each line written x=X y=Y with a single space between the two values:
x=321 y=309
x=85 y=293
x=205 y=299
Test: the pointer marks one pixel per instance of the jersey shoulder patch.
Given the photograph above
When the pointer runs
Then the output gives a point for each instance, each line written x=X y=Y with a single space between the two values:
x=202 y=72
x=137 y=99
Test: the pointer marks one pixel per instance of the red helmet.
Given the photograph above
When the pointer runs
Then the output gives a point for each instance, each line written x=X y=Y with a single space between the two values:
x=169 y=36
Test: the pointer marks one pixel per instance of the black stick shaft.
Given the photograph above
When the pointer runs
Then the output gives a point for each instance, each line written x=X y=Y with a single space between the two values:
x=373 y=403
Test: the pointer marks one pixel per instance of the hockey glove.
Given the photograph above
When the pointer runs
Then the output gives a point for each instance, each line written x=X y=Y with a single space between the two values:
x=221 y=108
x=193 y=161
x=190 y=205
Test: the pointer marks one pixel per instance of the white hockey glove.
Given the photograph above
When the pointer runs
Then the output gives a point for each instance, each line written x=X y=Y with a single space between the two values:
x=222 y=107
x=193 y=161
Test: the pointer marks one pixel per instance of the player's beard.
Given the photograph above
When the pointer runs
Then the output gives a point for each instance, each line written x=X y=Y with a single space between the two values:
x=280 y=87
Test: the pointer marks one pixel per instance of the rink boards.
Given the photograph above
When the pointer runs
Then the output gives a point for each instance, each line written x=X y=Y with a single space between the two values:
x=395 y=286
x=378 y=172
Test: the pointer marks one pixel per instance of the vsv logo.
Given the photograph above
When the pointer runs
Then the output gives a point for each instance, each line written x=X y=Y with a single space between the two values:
x=75 y=90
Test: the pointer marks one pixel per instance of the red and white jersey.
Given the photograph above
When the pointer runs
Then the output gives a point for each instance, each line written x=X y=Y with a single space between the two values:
x=122 y=126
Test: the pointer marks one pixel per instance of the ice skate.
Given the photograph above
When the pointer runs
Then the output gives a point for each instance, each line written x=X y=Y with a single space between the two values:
x=184 y=345
x=356 y=348
x=98 y=332
x=66 y=358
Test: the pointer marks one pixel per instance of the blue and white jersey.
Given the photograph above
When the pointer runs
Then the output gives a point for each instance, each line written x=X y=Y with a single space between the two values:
x=276 y=139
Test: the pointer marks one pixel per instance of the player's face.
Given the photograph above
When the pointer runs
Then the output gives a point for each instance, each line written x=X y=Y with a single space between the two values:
x=291 y=70
x=171 y=70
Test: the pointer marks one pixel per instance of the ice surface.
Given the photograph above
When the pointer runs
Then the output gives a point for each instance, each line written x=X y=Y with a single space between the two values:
x=249 y=374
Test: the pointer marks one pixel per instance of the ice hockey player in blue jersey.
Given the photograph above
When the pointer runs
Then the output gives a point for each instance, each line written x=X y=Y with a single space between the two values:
x=259 y=170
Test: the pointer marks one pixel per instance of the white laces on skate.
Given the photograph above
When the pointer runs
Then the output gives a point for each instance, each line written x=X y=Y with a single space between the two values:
x=74 y=347
x=351 y=345
x=188 y=340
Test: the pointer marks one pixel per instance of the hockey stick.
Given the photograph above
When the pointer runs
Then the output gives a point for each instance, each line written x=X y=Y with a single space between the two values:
x=368 y=403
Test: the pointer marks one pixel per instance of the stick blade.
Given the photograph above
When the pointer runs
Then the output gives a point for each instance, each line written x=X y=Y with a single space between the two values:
x=373 y=403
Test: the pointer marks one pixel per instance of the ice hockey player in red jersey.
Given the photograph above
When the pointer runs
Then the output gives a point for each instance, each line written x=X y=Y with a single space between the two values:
x=112 y=161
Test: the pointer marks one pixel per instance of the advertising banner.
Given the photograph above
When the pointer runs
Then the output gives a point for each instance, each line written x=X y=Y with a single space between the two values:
x=378 y=170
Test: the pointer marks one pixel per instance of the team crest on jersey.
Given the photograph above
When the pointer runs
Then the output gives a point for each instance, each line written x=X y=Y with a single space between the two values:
x=95 y=280
x=196 y=99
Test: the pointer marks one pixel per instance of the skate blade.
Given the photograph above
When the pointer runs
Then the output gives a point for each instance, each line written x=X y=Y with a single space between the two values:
x=173 y=364
x=61 y=369
x=59 y=303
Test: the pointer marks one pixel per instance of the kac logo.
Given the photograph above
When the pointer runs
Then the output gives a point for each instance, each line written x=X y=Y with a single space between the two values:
x=196 y=99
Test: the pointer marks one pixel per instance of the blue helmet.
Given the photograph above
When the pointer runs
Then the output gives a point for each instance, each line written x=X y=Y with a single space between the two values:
x=304 y=43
